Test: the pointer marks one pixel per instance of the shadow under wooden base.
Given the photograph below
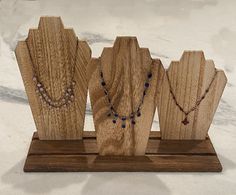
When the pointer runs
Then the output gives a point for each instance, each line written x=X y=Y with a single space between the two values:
x=82 y=155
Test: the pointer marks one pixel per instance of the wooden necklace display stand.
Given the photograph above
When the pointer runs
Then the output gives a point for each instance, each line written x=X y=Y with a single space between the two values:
x=60 y=143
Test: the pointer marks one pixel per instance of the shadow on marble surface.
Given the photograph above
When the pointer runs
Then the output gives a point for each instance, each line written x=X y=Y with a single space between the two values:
x=124 y=183
x=226 y=163
x=100 y=183
x=95 y=183
x=39 y=183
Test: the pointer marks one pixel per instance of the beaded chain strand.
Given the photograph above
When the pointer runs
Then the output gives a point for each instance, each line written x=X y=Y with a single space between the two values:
x=197 y=103
x=113 y=113
x=68 y=94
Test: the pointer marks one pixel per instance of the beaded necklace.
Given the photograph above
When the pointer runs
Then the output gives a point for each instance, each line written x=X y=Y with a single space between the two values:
x=68 y=94
x=113 y=113
x=197 y=103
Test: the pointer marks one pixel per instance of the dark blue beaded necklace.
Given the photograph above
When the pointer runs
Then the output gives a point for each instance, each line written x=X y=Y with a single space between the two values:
x=113 y=113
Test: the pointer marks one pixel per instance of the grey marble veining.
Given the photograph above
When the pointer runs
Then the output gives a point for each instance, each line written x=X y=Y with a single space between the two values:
x=13 y=95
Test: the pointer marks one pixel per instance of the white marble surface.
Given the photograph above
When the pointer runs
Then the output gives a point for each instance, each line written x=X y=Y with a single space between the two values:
x=167 y=28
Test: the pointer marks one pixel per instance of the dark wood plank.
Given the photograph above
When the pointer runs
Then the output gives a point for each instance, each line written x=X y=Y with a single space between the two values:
x=149 y=163
x=89 y=146
x=161 y=155
x=92 y=134
x=86 y=135
x=180 y=147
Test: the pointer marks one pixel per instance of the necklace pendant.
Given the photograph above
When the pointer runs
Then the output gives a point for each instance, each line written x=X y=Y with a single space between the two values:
x=185 y=121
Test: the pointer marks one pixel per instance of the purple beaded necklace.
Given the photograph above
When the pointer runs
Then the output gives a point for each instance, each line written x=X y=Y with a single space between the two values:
x=112 y=111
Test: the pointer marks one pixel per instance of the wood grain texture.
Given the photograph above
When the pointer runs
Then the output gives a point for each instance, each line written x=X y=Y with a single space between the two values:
x=82 y=155
x=149 y=163
x=189 y=79
x=125 y=67
x=89 y=146
x=53 y=51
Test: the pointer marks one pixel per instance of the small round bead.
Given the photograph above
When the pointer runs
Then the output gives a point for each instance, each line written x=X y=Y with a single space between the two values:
x=109 y=114
x=146 y=84
x=72 y=96
x=67 y=94
x=133 y=122
x=103 y=83
x=114 y=121
x=41 y=89
x=111 y=108
x=123 y=126
x=39 y=84
x=138 y=114
x=69 y=89
x=73 y=82
x=150 y=75
x=116 y=115
x=34 y=78
x=123 y=118
x=132 y=116
x=36 y=90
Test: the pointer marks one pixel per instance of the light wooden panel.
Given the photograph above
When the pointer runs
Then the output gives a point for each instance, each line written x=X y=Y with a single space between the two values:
x=53 y=50
x=189 y=79
x=125 y=68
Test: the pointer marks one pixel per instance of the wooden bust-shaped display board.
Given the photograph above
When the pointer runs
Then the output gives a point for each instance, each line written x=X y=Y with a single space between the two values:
x=124 y=77
x=52 y=63
x=190 y=94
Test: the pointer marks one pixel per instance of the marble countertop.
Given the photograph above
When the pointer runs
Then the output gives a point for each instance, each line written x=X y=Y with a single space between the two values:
x=167 y=28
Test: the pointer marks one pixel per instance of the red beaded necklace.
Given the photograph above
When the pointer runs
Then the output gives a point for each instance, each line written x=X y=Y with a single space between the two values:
x=186 y=113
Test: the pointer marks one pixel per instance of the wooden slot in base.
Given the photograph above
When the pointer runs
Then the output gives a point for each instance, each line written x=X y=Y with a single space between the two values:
x=82 y=155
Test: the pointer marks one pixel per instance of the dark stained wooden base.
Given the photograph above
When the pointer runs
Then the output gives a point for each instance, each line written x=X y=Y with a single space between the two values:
x=82 y=155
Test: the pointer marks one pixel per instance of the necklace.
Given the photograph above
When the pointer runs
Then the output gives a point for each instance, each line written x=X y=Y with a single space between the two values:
x=197 y=103
x=68 y=94
x=112 y=111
